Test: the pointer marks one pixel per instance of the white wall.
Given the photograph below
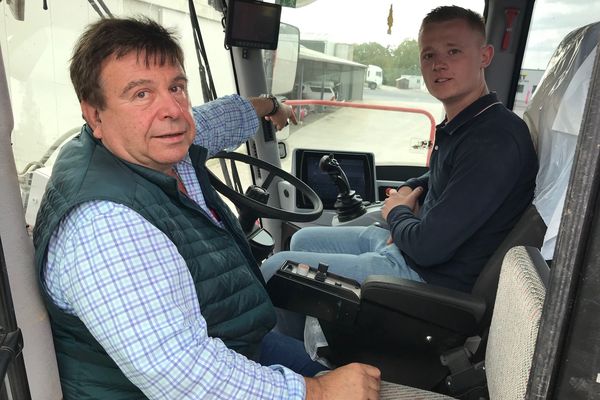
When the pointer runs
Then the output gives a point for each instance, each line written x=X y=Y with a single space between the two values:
x=37 y=51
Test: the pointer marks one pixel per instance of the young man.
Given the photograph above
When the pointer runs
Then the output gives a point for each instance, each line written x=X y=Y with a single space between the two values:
x=445 y=224
x=149 y=282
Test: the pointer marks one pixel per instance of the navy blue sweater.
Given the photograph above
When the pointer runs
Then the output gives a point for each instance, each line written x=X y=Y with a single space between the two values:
x=481 y=179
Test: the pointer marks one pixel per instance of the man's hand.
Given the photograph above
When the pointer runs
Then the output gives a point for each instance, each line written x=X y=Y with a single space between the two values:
x=404 y=196
x=350 y=382
x=283 y=115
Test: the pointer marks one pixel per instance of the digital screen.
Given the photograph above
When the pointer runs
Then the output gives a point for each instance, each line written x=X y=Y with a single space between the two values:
x=253 y=24
x=359 y=169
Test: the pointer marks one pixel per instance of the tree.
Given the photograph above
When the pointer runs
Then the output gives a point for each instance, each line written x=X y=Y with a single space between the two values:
x=371 y=53
x=406 y=58
x=402 y=60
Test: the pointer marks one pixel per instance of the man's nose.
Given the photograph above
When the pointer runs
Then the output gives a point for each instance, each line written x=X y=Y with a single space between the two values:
x=169 y=106
x=439 y=63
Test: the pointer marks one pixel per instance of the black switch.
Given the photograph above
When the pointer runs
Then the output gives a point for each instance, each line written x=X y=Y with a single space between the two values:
x=321 y=272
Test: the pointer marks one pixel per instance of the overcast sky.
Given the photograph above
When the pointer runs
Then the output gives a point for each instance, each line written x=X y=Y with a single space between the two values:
x=347 y=21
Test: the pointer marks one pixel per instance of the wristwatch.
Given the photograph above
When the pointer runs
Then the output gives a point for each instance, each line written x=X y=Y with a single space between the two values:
x=274 y=101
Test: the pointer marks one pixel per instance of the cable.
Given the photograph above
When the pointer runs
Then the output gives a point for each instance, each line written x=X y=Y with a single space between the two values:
x=209 y=93
x=98 y=10
x=105 y=8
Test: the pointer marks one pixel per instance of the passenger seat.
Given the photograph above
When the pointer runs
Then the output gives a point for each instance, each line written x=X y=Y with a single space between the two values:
x=513 y=333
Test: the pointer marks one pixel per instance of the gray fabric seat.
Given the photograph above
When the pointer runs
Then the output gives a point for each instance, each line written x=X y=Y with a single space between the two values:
x=513 y=332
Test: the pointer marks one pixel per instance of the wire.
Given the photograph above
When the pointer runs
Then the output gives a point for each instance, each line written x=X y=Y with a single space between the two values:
x=42 y=161
x=208 y=89
x=98 y=10
x=105 y=8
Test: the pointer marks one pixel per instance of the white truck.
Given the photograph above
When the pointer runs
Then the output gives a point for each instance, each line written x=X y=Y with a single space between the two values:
x=374 y=76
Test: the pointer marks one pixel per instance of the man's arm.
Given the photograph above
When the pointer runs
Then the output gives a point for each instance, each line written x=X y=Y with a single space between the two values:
x=478 y=185
x=281 y=113
x=227 y=122
x=126 y=281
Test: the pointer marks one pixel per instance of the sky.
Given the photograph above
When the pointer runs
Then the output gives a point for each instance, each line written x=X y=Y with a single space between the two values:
x=346 y=22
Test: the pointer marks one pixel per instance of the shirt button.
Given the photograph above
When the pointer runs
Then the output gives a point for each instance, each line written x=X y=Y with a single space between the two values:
x=436 y=147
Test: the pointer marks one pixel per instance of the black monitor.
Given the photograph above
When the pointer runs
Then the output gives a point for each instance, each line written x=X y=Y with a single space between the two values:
x=252 y=24
x=359 y=168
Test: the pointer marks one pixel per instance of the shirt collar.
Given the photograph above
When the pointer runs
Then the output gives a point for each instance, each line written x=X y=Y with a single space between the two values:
x=474 y=109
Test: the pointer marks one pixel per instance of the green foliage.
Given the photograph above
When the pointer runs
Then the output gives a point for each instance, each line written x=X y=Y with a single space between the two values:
x=402 y=60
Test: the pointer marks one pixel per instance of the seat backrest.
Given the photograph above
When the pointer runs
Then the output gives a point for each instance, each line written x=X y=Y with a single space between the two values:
x=515 y=323
x=528 y=231
x=554 y=116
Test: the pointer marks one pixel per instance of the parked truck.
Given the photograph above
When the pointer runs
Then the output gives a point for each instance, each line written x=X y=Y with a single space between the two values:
x=374 y=76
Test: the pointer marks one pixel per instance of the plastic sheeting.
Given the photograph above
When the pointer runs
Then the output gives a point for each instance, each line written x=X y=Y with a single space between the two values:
x=554 y=118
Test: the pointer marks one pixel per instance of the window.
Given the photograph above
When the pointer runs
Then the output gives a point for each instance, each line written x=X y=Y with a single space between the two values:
x=548 y=27
x=366 y=72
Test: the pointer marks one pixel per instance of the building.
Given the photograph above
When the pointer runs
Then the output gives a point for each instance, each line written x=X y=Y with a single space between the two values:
x=528 y=82
x=409 y=82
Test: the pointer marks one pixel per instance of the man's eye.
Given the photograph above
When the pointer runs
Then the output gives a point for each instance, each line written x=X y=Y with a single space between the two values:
x=426 y=56
x=178 y=89
x=141 y=95
x=453 y=51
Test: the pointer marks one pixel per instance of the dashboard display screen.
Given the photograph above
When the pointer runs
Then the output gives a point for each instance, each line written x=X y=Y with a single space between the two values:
x=359 y=169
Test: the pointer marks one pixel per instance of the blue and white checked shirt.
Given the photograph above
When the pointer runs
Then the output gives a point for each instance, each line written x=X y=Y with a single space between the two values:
x=127 y=282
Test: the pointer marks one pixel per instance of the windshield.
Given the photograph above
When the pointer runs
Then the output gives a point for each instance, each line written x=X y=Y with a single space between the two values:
x=366 y=56
x=361 y=53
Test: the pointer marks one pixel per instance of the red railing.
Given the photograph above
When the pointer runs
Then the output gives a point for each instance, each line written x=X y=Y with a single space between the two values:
x=333 y=103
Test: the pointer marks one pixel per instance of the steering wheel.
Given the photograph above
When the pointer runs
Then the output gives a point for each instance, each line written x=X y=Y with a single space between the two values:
x=249 y=201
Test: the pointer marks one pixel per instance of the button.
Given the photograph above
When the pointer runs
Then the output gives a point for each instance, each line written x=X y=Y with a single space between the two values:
x=303 y=269
x=436 y=147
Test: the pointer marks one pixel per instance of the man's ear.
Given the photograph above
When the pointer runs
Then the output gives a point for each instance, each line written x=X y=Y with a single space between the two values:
x=91 y=114
x=487 y=53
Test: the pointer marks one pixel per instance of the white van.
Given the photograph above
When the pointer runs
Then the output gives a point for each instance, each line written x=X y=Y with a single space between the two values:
x=318 y=91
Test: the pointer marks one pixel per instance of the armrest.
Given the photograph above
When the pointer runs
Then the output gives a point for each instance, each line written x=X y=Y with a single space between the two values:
x=458 y=311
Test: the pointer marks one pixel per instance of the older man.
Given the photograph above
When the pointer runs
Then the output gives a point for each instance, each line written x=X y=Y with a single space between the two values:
x=148 y=279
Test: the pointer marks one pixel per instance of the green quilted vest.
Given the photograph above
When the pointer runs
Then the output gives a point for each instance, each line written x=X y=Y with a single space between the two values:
x=229 y=285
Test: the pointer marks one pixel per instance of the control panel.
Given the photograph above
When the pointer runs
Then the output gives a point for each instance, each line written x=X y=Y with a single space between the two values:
x=315 y=291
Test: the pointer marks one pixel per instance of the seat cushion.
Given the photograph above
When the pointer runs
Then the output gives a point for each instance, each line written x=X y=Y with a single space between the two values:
x=393 y=391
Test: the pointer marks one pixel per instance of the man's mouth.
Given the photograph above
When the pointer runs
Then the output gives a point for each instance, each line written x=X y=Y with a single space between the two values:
x=441 y=80
x=169 y=135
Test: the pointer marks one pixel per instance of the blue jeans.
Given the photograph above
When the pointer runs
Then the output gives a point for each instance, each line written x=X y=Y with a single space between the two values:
x=289 y=352
x=352 y=252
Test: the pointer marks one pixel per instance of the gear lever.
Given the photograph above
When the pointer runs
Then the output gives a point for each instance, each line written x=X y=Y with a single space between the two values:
x=349 y=204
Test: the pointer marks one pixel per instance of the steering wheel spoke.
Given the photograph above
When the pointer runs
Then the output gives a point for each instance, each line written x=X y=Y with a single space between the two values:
x=234 y=192
x=267 y=182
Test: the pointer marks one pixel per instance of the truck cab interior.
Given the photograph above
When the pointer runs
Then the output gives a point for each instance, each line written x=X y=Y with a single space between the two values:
x=327 y=171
